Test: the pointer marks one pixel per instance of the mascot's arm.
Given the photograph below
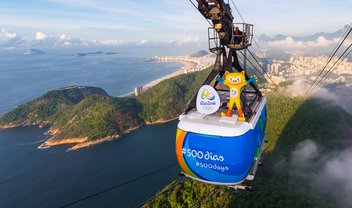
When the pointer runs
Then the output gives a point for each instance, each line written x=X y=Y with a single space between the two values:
x=253 y=79
x=220 y=79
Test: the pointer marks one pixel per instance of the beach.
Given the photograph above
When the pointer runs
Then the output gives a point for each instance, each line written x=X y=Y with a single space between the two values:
x=187 y=65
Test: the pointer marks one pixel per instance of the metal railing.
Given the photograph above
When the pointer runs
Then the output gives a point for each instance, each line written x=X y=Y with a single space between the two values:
x=240 y=39
x=243 y=36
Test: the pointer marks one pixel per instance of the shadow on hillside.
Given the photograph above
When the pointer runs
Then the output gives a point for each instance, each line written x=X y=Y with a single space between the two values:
x=313 y=133
x=317 y=120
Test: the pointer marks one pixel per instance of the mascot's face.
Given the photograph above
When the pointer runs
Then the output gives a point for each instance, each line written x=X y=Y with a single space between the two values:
x=234 y=78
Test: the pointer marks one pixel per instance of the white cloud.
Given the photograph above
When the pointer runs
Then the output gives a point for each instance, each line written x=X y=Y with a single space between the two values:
x=108 y=42
x=321 y=44
x=336 y=177
x=40 y=36
x=290 y=43
x=43 y=40
x=143 y=42
x=298 y=88
x=304 y=153
x=189 y=40
x=8 y=35
x=10 y=40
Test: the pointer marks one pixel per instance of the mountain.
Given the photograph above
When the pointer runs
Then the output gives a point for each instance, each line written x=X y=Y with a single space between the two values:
x=90 y=53
x=85 y=116
x=33 y=51
x=168 y=99
x=200 y=53
x=318 y=44
x=44 y=109
x=313 y=37
x=94 y=120
x=303 y=163
x=277 y=53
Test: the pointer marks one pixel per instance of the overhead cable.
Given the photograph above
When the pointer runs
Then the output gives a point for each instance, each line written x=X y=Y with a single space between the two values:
x=119 y=185
x=336 y=49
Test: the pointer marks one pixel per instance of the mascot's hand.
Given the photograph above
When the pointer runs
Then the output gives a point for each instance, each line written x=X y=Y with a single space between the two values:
x=253 y=79
x=219 y=79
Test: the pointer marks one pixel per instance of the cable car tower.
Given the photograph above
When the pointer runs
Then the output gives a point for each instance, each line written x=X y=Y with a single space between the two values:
x=217 y=147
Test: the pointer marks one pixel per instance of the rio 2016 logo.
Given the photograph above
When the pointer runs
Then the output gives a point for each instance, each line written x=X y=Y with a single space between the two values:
x=208 y=100
x=208 y=95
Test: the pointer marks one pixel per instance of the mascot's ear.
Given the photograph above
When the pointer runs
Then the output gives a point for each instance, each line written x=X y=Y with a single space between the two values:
x=227 y=73
x=242 y=72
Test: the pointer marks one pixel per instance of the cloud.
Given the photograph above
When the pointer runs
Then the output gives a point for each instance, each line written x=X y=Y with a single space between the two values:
x=9 y=35
x=298 y=88
x=290 y=43
x=319 y=45
x=10 y=39
x=40 y=36
x=304 y=153
x=143 y=42
x=328 y=174
x=108 y=42
x=189 y=40
x=336 y=177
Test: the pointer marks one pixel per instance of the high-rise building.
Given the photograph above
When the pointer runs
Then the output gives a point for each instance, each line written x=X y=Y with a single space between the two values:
x=138 y=91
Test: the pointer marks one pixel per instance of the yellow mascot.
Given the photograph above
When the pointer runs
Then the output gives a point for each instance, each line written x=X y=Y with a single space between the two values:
x=235 y=81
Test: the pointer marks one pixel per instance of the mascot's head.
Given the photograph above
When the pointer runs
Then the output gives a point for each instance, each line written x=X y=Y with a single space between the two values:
x=234 y=78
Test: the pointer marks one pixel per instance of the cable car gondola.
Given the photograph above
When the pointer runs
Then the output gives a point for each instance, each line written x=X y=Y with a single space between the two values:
x=215 y=142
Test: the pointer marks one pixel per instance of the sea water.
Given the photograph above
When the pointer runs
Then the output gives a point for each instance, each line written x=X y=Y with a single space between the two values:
x=31 y=177
x=23 y=78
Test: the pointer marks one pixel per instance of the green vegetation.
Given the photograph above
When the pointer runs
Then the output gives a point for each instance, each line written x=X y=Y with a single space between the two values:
x=46 y=108
x=79 y=112
x=169 y=98
x=98 y=117
x=285 y=84
x=278 y=183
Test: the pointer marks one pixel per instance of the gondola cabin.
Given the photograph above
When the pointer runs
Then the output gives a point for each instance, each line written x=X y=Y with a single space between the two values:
x=221 y=150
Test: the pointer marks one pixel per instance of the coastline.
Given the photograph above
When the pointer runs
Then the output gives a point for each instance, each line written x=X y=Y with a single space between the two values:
x=79 y=143
x=187 y=65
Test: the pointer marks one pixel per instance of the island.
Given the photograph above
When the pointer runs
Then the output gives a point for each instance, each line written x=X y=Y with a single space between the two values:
x=85 y=116
x=93 y=53
x=33 y=51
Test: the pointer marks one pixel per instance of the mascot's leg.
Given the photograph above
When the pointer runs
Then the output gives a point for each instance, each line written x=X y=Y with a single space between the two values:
x=229 y=110
x=240 y=111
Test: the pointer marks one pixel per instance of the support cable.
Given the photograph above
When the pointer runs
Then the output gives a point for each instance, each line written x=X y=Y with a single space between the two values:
x=201 y=202
x=266 y=74
x=119 y=185
x=161 y=193
x=239 y=13
x=265 y=80
x=335 y=65
x=338 y=46
x=194 y=5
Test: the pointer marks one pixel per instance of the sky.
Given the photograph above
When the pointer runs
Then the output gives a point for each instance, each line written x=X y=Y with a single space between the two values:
x=171 y=21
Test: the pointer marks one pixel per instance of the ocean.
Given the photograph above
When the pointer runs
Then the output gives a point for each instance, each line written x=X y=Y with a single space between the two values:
x=30 y=177
x=23 y=78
